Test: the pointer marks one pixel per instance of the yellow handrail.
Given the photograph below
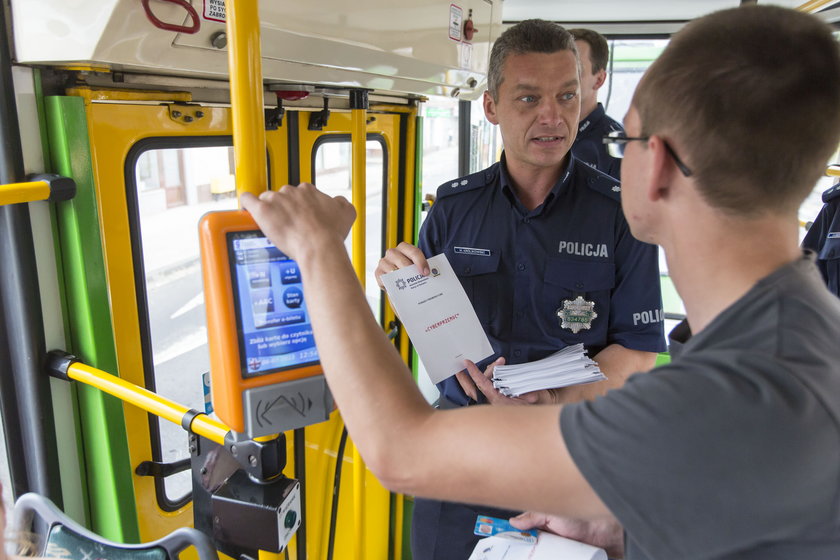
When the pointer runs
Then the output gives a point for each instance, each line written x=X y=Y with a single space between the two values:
x=151 y=402
x=246 y=95
x=15 y=193
x=833 y=171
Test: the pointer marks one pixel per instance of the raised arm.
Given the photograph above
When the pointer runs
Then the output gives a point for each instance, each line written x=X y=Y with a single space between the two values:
x=502 y=456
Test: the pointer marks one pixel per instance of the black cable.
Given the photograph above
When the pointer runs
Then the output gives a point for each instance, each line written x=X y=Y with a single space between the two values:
x=336 y=487
x=300 y=474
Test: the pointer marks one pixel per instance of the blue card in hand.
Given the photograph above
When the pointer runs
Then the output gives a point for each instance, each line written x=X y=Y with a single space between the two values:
x=492 y=526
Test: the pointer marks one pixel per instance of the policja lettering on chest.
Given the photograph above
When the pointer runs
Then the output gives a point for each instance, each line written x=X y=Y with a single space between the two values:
x=582 y=249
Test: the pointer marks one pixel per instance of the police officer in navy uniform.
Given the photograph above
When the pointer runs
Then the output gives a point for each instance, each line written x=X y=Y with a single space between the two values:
x=823 y=238
x=589 y=147
x=542 y=249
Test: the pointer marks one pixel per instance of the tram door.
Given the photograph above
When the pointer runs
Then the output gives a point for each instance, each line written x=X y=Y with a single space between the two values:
x=326 y=160
x=148 y=165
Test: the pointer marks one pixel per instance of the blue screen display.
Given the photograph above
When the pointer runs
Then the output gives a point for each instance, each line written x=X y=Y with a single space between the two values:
x=272 y=322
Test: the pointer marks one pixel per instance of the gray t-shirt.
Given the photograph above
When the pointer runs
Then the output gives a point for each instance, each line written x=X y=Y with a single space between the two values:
x=733 y=449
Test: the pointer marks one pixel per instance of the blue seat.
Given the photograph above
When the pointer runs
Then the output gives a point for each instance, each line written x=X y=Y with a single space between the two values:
x=58 y=536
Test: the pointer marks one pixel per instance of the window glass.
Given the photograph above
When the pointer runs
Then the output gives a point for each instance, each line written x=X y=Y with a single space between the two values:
x=440 y=143
x=175 y=187
x=332 y=173
x=630 y=59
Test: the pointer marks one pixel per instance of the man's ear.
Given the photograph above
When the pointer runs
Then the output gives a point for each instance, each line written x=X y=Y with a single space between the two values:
x=490 y=108
x=600 y=78
x=662 y=169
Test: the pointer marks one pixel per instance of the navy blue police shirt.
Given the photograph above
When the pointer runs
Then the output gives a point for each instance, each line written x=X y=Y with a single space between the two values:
x=823 y=238
x=519 y=266
x=589 y=144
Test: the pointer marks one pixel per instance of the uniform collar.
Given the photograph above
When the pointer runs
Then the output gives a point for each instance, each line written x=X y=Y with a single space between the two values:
x=596 y=115
x=506 y=186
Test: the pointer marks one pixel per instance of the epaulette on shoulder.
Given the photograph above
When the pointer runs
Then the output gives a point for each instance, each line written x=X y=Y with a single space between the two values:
x=831 y=194
x=599 y=181
x=467 y=183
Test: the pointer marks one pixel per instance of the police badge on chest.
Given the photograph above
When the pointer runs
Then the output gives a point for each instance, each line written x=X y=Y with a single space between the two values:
x=576 y=314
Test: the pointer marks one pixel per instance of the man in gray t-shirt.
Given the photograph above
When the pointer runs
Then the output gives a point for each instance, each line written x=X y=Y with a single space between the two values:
x=739 y=424
x=730 y=452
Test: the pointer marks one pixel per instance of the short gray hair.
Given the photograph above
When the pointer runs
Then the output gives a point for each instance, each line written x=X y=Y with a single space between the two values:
x=530 y=35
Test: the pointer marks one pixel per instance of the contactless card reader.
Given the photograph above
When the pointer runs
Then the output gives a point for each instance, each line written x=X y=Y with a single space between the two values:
x=265 y=372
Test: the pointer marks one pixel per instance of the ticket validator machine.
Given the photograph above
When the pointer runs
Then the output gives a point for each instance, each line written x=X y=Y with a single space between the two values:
x=265 y=373
x=266 y=379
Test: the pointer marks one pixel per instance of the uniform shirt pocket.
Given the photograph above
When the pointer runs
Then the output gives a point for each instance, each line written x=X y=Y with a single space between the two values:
x=478 y=276
x=563 y=281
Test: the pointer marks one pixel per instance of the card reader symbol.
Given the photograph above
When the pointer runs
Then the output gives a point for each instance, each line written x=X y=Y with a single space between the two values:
x=299 y=403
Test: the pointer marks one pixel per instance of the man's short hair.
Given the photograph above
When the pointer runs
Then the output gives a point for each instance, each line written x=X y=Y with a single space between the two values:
x=530 y=35
x=752 y=97
x=599 y=51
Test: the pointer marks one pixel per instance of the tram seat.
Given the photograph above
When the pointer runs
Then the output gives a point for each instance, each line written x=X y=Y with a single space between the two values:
x=58 y=536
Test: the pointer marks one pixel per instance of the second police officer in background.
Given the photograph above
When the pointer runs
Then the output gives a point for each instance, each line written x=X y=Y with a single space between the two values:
x=823 y=238
x=589 y=147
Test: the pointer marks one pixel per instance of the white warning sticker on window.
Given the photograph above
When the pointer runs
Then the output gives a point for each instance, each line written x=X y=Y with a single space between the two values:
x=214 y=10
x=456 y=22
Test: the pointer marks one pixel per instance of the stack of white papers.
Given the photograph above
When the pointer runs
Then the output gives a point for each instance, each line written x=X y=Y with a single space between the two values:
x=569 y=366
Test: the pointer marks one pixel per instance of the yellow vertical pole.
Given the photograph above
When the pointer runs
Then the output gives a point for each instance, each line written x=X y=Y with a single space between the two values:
x=358 y=136
x=410 y=196
x=410 y=149
x=246 y=95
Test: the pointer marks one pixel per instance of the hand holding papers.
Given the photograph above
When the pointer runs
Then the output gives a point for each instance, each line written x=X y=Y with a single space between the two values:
x=438 y=317
x=569 y=366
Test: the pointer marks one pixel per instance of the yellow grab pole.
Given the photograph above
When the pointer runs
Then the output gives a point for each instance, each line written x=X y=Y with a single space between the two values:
x=14 y=193
x=358 y=137
x=246 y=95
x=814 y=5
x=414 y=165
x=833 y=171
x=410 y=185
x=151 y=402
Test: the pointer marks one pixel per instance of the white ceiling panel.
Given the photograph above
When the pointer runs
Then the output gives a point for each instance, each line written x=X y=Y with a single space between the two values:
x=594 y=11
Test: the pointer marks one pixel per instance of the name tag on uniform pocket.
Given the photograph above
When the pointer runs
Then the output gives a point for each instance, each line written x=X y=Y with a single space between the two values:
x=472 y=251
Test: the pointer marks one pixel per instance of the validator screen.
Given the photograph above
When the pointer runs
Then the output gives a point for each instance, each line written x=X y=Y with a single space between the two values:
x=273 y=325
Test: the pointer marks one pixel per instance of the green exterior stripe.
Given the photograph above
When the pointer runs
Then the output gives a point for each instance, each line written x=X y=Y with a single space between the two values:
x=91 y=338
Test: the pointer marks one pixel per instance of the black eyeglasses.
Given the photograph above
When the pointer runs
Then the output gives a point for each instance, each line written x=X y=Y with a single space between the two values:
x=616 y=142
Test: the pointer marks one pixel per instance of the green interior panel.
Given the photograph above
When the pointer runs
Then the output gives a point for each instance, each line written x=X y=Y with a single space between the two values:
x=90 y=332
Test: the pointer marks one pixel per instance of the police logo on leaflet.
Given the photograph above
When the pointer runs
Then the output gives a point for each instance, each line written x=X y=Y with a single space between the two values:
x=577 y=314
